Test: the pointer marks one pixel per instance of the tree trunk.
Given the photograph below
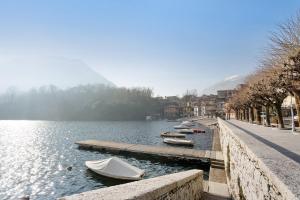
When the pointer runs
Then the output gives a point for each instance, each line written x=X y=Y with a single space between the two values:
x=228 y=115
x=268 y=115
x=236 y=114
x=279 y=114
x=247 y=114
x=244 y=114
x=258 y=113
x=251 y=114
x=297 y=101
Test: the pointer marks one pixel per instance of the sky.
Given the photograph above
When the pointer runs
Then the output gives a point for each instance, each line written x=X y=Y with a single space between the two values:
x=167 y=45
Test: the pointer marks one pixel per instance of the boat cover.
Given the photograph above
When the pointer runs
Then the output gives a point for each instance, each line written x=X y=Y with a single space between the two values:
x=115 y=168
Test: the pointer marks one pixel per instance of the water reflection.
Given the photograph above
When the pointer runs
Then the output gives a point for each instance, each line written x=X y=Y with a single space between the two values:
x=36 y=155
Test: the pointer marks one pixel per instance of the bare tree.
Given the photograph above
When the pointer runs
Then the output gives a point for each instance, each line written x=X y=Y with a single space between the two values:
x=285 y=49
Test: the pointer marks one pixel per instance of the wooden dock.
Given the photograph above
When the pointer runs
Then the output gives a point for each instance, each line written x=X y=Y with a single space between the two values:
x=159 y=151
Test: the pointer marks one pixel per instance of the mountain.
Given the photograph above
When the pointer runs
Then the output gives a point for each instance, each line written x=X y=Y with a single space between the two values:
x=226 y=84
x=27 y=73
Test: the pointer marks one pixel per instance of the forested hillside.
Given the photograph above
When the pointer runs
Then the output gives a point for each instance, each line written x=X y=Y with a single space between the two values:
x=89 y=102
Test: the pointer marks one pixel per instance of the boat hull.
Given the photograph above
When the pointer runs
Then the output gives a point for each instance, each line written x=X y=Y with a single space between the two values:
x=198 y=131
x=117 y=177
x=172 y=135
x=116 y=169
x=180 y=127
x=179 y=142
x=186 y=131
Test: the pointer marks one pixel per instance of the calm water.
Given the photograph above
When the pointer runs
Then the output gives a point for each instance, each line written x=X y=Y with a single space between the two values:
x=35 y=155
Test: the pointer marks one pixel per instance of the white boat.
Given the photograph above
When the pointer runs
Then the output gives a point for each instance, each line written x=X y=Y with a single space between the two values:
x=148 y=118
x=178 y=141
x=187 y=123
x=186 y=131
x=115 y=168
x=180 y=127
x=170 y=134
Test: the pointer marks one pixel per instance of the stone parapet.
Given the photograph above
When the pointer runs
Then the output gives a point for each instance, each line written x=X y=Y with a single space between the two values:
x=249 y=166
x=186 y=185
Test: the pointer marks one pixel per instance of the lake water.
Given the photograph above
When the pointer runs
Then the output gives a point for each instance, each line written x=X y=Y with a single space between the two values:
x=35 y=155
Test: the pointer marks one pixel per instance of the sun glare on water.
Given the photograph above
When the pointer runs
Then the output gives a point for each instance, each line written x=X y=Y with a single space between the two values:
x=22 y=149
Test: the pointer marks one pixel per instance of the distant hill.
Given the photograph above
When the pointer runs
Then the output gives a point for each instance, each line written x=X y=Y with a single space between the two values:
x=226 y=84
x=30 y=73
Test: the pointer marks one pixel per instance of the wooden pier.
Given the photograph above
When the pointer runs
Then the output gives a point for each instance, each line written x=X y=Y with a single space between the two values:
x=159 y=151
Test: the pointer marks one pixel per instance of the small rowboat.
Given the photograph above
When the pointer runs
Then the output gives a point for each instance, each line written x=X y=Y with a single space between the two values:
x=186 y=131
x=180 y=127
x=187 y=123
x=178 y=141
x=198 y=131
x=115 y=168
x=170 y=134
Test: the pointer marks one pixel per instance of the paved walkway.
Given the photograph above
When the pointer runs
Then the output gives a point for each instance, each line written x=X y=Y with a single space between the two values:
x=278 y=149
x=284 y=141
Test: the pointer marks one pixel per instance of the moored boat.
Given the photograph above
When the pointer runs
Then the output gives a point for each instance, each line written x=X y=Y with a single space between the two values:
x=186 y=131
x=115 y=168
x=187 y=123
x=175 y=141
x=197 y=130
x=170 y=134
x=180 y=127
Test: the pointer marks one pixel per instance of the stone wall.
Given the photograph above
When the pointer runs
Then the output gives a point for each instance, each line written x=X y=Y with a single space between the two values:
x=183 y=185
x=247 y=176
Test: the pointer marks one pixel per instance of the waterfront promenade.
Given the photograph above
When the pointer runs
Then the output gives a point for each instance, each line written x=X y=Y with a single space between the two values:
x=277 y=151
x=282 y=141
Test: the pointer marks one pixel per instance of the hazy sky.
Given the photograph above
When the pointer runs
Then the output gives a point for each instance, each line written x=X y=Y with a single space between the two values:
x=167 y=45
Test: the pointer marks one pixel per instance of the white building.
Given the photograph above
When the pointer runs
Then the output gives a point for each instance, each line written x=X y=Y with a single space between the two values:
x=196 y=111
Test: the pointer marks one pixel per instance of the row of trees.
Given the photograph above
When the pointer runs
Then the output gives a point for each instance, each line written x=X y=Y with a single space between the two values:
x=277 y=77
x=89 y=102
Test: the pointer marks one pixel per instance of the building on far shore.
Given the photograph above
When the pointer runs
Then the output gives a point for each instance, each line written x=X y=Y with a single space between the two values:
x=172 y=111
x=172 y=99
x=213 y=105
x=222 y=97
x=191 y=105
x=172 y=108
x=208 y=105
x=196 y=111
